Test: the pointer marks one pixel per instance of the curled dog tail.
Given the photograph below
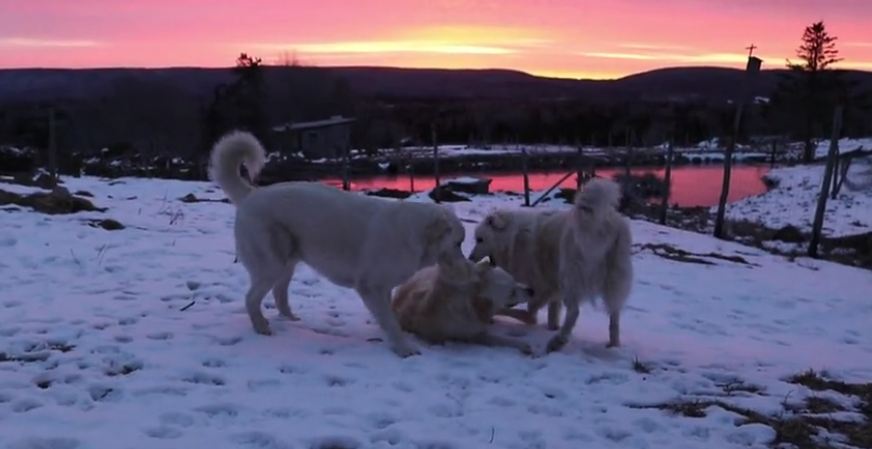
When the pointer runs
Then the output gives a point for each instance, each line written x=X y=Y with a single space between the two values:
x=232 y=150
x=600 y=193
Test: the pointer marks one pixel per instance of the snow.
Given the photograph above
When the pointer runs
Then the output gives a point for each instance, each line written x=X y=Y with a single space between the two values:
x=14 y=151
x=464 y=180
x=794 y=201
x=104 y=356
x=845 y=145
x=707 y=157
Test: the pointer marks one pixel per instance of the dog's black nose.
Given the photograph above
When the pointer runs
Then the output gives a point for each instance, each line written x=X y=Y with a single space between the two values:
x=529 y=291
x=472 y=258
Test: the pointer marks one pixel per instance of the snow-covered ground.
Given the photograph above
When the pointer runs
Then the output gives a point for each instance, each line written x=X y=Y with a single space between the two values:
x=138 y=338
x=794 y=200
x=846 y=145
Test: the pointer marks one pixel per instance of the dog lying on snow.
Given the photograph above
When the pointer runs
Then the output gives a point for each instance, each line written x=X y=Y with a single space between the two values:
x=575 y=256
x=365 y=243
x=439 y=304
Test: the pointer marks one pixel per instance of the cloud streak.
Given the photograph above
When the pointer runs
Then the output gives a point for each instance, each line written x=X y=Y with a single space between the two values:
x=700 y=58
x=375 y=47
x=46 y=43
x=441 y=40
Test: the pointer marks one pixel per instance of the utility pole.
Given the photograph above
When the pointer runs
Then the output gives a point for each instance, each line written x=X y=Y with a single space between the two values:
x=751 y=69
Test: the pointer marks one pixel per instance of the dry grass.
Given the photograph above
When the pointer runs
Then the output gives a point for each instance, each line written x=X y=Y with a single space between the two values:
x=798 y=425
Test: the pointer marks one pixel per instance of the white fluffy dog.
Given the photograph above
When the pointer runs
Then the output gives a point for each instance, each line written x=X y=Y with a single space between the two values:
x=524 y=243
x=365 y=243
x=440 y=305
x=575 y=256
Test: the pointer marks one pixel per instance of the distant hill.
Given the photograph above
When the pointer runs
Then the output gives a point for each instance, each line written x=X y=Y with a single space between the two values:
x=183 y=110
x=681 y=83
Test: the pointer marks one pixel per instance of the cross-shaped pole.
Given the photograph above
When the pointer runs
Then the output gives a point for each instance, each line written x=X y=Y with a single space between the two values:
x=750 y=50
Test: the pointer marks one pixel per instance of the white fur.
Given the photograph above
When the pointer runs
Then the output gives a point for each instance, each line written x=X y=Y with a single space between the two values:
x=524 y=242
x=440 y=305
x=572 y=256
x=365 y=243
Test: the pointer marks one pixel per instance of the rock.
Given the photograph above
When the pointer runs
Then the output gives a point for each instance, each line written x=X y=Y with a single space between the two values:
x=45 y=181
x=191 y=198
x=445 y=194
x=566 y=194
x=389 y=193
x=478 y=186
x=107 y=224
x=789 y=234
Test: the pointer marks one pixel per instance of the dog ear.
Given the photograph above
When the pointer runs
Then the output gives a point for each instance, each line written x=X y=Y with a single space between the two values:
x=497 y=221
x=483 y=308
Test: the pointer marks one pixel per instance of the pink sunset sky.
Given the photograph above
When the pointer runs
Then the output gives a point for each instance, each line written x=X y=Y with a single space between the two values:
x=566 y=38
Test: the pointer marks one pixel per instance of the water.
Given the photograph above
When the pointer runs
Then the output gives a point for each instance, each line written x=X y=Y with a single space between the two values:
x=692 y=185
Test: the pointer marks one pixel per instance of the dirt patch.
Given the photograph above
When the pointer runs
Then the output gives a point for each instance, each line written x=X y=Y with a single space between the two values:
x=680 y=255
x=804 y=426
x=191 y=198
x=107 y=224
x=58 y=201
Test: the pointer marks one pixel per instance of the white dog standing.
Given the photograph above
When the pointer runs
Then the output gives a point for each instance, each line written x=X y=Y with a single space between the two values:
x=523 y=242
x=365 y=243
x=438 y=305
x=575 y=256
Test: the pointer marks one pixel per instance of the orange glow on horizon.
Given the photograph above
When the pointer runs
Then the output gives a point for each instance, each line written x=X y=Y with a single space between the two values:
x=559 y=38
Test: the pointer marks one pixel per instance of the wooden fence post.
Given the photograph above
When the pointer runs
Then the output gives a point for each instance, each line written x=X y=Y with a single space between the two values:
x=832 y=154
x=52 y=148
x=667 y=183
x=346 y=168
x=752 y=68
x=772 y=157
x=579 y=167
x=435 y=153
x=525 y=167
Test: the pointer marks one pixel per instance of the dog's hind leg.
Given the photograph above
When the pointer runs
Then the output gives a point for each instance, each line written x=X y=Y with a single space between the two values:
x=378 y=301
x=280 y=292
x=264 y=267
x=554 y=314
x=260 y=286
x=572 y=311
x=614 y=330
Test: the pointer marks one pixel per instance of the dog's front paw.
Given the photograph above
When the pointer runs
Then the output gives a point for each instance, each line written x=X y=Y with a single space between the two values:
x=613 y=344
x=290 y=317
x=525 y=349
x=529 y=317
x=263 y=328
x=405 y=350
x=556 y=343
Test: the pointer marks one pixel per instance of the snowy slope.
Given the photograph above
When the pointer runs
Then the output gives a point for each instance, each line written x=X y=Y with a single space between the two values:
x=101 y=354
x=794 y=201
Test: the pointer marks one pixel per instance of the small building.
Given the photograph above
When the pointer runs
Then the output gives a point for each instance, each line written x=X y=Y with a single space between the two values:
x=329 y=138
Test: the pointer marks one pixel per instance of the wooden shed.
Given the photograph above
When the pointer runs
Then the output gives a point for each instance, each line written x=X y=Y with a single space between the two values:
x=329 y=138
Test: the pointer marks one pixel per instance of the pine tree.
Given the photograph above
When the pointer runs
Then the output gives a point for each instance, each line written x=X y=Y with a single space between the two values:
x=818 y=50
x=813 y=82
